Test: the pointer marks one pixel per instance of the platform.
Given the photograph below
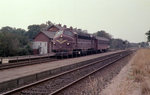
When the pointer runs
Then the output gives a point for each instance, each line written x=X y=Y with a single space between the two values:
x=18 y=58
x=19 y=76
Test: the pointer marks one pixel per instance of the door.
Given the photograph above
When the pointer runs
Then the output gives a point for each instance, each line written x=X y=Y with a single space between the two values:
x=50 y=47
x=43 y=48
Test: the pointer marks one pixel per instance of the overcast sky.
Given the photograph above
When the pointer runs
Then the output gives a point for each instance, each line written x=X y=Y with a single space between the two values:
x=125 y=19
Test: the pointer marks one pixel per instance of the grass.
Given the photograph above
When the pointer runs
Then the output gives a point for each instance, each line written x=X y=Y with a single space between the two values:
x=141 y=70
x=93 y=86
x=134 y=79
x=137 y=82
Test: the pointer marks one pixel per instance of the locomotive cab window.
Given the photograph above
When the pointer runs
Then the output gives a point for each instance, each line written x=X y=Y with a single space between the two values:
x=58 y=33
x=68 y=33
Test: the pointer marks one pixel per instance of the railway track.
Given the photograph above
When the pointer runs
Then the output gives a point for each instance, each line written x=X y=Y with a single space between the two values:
x=31 y=61
x=55 y=84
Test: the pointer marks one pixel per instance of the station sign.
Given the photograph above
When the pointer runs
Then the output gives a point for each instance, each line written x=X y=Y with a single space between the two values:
x=4 y=61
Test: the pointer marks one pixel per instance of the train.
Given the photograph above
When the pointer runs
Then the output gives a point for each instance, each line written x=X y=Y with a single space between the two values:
x=75 y=41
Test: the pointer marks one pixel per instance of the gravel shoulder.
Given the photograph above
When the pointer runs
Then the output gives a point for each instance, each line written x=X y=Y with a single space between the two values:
x=94 y=84
x=119 y=85
x=134 y=78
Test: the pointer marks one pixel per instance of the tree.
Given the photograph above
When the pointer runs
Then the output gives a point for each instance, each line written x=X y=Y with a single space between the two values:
x=148 y=35
x=43 y=27
x=16 y=41
x=102 y=33
x=8 y=44
x=13 y=42
x=13 y=30
x=143 y=44
x=33 y=30
x=118 y=44
x=49 y=23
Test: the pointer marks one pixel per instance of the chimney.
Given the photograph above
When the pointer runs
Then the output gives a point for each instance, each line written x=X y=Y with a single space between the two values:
x=71 y=28
x=79 y=30
x=75 y=29
x=64 y=26
x=59 y=25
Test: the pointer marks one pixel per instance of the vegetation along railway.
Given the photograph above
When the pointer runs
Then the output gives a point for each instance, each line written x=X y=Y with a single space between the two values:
x=67 y=42
x=57 y=83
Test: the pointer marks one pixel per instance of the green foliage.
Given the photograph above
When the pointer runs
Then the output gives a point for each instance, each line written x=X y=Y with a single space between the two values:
x=16 y=41
x=102 y=33
x=148 y=35
x=13 y=30
x=117 y=44
x=13 y=42
x=33 y=30
x=143 y=44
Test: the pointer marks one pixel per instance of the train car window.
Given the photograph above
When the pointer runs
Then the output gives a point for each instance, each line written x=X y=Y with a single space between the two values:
x=84 y=37
x=58 y=33
x=103 y=42
x=68 y=33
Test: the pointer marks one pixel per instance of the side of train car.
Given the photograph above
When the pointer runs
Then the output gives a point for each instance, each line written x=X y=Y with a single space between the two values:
x=75 y=41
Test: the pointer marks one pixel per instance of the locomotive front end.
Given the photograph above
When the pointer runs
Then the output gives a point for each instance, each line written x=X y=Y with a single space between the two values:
x=63 y=42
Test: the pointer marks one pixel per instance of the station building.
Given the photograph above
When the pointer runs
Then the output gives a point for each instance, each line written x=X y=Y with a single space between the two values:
x=43 y=41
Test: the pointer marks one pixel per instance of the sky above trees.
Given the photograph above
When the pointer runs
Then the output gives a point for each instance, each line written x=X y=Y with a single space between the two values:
x=126 y=19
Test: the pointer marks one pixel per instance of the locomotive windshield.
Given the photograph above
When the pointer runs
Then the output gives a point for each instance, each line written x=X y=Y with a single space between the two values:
x=68 y=33
x=58 y=33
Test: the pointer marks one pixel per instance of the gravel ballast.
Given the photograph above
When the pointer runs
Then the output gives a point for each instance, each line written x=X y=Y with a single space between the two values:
x=94 y=84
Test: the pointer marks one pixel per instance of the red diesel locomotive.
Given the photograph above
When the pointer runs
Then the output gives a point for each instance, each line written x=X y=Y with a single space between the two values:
x=71 y=41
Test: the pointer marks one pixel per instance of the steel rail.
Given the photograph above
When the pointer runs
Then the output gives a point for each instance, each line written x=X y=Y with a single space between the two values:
x=27 y=62
x=55 y=76
x=85 y=76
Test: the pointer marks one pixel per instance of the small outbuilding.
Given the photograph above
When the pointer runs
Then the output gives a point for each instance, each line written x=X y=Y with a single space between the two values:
x=43 y=41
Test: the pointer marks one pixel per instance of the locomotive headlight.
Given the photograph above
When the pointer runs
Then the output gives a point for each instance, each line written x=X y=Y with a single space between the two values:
x=68 y=44
x=54 y=43
x=61 y=36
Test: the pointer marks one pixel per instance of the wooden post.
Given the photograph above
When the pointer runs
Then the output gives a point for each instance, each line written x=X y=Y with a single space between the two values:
x=17 y=59
x=1 y=60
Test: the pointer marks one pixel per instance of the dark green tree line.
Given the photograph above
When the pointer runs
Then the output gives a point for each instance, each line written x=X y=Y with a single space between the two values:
x=148 y=35
x=102 y=33
x=114 y=43
x=17 y=41
x=13 y=42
